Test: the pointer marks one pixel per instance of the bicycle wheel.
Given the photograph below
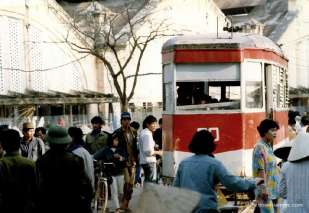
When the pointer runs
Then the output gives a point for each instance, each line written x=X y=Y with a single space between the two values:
x=101 y=196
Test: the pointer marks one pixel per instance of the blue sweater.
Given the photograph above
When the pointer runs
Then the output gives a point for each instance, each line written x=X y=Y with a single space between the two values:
x=200 y=173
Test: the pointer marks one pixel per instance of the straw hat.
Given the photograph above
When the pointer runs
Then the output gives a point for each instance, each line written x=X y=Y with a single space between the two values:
x=28 y=125
x=283 y=150
x=300 y=147
x=158 y=198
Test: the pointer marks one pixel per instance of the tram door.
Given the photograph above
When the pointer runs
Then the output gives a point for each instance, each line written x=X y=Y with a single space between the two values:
x=276 y=89
x=268 y=91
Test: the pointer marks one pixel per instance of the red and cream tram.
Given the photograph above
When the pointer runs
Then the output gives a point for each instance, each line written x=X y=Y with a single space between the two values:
x=226 y=85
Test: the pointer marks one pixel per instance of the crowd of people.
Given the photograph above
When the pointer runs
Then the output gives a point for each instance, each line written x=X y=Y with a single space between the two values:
x=54 y=170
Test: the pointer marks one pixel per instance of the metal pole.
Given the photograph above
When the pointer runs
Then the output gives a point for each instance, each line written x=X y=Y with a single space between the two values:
x=217 y=27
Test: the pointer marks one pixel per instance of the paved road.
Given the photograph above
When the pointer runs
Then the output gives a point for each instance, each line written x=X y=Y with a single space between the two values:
x=135 y=197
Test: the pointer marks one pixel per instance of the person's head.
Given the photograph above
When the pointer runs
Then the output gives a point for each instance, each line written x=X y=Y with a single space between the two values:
x=97 y=122
x=305 y=120
x=10 y=140
x=160 y=122
x=125 y=119
x=28 y=130
x=40 y=132
x=150 y=123
x=61 y=122
x=291 y=117
x=113 y=140
x=268 y=129
x=76 y=134
x=202 y=142
x=58 y=138
x=135 y=125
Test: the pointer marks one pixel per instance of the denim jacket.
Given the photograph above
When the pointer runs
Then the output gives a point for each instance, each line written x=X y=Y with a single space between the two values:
x=200 y=173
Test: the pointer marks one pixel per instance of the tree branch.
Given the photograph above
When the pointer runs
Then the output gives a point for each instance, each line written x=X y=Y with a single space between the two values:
x=144 y=74
x=137 y=71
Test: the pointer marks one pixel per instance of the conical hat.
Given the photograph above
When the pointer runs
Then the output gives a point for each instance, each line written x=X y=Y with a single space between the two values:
x=300 y=147
x=158 y=198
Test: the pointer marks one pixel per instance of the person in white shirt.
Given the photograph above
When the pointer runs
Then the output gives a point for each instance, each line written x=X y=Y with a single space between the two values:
x=304 y=124
x=147 y=149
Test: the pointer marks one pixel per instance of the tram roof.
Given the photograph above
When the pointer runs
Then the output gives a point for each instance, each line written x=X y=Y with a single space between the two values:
x=223 y=41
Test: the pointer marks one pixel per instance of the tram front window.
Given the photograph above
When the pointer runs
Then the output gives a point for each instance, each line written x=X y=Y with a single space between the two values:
x=208 y=95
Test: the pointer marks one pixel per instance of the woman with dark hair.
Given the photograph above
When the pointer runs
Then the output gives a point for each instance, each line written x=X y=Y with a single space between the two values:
x=264 y=165
x=116 y=155
x=147 y=152
x=201 y=172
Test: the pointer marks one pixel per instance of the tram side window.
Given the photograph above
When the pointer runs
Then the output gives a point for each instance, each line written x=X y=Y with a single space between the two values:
x=280 y=88
x=254 y=92
x=208 y=95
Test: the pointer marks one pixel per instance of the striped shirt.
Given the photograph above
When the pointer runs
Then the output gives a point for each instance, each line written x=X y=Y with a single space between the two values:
x=294 y=186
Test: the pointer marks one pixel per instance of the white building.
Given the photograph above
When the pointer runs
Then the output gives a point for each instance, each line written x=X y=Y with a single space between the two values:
x=183 y=17
x=40 y=75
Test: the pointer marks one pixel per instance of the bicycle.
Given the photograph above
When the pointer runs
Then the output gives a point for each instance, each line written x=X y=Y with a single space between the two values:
x=101 y=193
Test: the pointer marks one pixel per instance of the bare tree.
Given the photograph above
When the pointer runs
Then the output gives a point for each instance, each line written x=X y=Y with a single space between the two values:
x=117 y=41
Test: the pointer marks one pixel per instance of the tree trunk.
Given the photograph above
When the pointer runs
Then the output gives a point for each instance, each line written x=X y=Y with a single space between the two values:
x=124 y=105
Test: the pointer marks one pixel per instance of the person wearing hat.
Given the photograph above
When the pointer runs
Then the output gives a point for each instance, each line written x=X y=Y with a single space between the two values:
x=127 y=137
x=282 y=152
x=294 y=183
x=31 y=147
x=63 y=183
x=96 y=139
x=18 y=188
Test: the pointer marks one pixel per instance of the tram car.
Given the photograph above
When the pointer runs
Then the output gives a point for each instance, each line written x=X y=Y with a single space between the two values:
x=226 y=84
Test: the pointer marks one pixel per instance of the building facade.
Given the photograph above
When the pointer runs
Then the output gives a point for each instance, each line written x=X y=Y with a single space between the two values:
x=182 y=16
x=41 y=78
